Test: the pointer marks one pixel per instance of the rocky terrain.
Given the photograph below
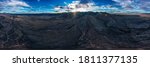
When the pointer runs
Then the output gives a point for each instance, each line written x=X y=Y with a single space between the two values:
x=100 y=31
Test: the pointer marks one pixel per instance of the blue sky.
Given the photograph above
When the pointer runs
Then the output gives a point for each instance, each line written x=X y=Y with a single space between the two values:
x=48 y=6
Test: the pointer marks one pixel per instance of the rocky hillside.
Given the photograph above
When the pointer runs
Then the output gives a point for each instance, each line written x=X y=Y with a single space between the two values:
x=74 y=31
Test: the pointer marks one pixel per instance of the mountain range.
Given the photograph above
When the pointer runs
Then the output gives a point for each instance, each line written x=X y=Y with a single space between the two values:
x=75 y=31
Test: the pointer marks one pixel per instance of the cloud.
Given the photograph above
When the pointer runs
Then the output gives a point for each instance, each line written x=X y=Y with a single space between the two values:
x=125 y=3
x=13 y=6
x=134 y=4
x=16 y=3
x=121 y=6
x=145 y=5
x=83 y=6
x=76 y=6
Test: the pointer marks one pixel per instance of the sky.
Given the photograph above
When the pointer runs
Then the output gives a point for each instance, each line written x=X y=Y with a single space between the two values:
x=59 y=6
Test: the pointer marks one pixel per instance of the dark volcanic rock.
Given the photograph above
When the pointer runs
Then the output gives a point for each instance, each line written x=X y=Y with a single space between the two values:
x=10 y=35
x=74 y=31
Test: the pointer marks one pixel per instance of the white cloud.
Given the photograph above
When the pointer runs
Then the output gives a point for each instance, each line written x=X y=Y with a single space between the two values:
x=78 y=6
x=13 y=6
x=127 y=6
x=17 y=3
x=125 y=3
x=134 y=4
